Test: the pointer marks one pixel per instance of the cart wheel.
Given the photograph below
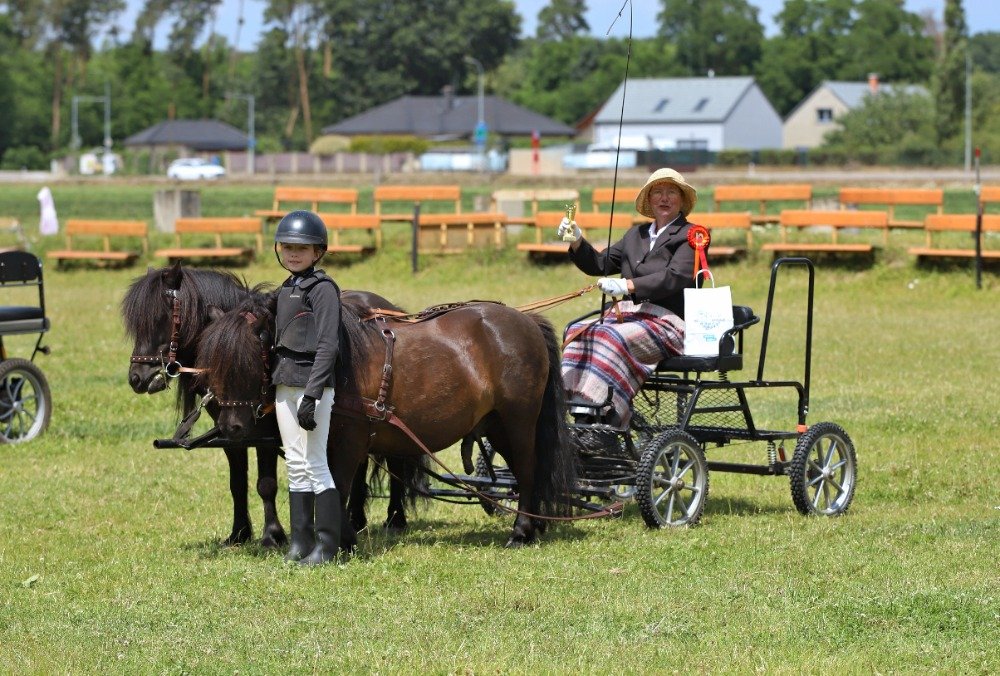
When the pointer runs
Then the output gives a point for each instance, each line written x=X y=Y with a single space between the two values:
x=823 y=472
x=25 y=401
x=672 y=481
x=483 y=461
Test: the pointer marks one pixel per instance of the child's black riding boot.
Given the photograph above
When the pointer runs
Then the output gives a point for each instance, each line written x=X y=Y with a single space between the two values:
x=328 y=517
x=301 y=506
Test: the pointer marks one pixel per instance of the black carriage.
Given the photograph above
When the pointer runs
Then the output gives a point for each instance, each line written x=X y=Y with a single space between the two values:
x=688 y=407
x=25 y=400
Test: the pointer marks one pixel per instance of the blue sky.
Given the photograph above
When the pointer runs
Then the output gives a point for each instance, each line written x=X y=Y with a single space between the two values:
x=981 y=15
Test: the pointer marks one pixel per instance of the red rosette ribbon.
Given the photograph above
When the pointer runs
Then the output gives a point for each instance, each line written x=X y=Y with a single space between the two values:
x=699 y=238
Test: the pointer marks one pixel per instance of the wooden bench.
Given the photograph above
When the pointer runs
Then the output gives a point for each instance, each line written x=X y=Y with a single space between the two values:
x=989 y=194
x=832 y=223
x=736 y=221
x=763 y=195
x=314 y=199
x=536 y=201
x=594 y=227
x=456 y=233
x=602 y=198
x=938 y=227
x=890 y=198
x=337 y=224
x=216 y=228
x=78 y=231
x=448 y=196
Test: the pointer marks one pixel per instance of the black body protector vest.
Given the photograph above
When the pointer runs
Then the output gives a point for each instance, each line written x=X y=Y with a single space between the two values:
x=296 y=338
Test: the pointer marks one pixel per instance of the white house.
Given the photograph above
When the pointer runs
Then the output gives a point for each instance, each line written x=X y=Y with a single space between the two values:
x=817 y=114
x=689 y=113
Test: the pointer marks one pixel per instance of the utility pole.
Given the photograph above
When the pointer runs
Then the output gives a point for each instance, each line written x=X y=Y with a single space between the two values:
x=251 y=122
x=479 y=135
x=75 y=140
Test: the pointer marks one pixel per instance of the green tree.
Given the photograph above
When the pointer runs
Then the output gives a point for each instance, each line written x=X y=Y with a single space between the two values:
x=723 y=36
x=569 y=79
x=886 y=39
x=949 y=74
x=841 y=40
x=985 y=50
x=562 y=19
x=891 y=118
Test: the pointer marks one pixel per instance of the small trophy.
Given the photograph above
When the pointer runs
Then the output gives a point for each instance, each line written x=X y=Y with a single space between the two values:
x=570 y=216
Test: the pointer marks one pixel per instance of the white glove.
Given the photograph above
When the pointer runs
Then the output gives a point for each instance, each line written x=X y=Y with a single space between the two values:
x=568 y=227
x=613 y=286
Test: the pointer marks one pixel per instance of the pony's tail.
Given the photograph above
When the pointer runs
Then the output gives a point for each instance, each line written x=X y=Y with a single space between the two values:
x=556 y=469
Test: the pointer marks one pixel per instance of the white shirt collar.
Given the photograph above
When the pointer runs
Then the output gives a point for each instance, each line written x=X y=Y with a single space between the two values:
x=654 y=233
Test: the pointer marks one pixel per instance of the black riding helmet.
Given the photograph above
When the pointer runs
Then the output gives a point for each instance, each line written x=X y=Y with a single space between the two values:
x=300 y=227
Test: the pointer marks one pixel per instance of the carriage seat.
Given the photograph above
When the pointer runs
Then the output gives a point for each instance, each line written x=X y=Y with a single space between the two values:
x=20 y=268
x=730 y=357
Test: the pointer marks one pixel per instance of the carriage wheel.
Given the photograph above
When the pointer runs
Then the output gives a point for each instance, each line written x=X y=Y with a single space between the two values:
x=823 y=472
x=672 y=481
x=25 y=401
x=483 y=462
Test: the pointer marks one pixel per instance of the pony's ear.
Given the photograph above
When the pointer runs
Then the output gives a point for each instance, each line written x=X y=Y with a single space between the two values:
x=172 y=276
x=215 y=313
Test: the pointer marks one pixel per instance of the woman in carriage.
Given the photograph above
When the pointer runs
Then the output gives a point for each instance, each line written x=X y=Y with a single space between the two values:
x=656 y=264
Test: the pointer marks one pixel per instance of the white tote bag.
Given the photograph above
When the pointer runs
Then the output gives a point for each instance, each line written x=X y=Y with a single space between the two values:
x=708 y=313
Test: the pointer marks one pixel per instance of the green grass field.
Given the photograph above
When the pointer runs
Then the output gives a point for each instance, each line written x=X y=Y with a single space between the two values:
x=110 y=561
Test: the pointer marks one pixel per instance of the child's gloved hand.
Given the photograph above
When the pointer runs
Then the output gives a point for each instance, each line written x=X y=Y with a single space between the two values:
x=307 y=413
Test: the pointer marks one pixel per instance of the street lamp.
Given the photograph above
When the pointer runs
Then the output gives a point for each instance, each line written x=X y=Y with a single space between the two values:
x=251 y=141
x=75 y=118
x=480 y=132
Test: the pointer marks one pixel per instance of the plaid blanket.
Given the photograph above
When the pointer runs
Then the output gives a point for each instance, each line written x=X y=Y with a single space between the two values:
x=620 y=355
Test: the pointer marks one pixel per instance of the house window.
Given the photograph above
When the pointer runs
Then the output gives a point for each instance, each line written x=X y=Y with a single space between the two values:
x=692 y=144
x=700 y=105
x=824 y=115
x=661 y=105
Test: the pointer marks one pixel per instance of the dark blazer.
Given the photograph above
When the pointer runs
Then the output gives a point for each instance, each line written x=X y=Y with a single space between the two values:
x=660 y=276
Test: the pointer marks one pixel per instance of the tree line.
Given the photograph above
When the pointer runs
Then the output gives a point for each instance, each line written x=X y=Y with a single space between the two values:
x=320 y=61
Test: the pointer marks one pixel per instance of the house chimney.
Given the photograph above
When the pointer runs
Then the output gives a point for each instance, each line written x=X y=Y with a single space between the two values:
x=448 y=92
x=873 y=83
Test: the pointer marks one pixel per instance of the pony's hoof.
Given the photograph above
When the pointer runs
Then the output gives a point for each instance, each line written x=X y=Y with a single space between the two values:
x=395 y=524
x=274 y=538
x=518 y=542
x=236 y=538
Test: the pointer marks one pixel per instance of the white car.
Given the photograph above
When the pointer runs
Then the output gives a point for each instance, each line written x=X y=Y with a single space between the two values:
x=193 y=169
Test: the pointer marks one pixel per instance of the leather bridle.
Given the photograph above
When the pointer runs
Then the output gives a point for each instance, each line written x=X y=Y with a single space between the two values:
x=264 y=404
x=170 y=366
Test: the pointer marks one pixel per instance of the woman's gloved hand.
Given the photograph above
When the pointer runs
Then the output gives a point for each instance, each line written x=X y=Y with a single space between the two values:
x=307 y=413
x=568 y=231
x=613 y=286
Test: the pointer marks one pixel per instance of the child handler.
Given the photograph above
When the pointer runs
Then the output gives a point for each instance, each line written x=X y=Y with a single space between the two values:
x=306 y=346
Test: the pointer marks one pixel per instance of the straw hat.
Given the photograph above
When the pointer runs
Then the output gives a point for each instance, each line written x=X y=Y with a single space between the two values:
x=665 y=175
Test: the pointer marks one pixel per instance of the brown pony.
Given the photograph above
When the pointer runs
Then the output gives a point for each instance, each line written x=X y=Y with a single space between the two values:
x=480 y=369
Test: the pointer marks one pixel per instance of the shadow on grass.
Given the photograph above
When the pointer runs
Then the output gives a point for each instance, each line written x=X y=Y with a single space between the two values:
x=742 y=507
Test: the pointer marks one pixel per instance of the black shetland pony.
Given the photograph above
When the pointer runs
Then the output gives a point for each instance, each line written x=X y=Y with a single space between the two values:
x=164 y=313
x=177 y=302
x=481 y=369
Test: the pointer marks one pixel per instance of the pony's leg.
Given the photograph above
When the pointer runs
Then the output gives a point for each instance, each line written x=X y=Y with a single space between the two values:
x=242 y=528
x=273 y=535
x=358 y=500
x=520 y=459
x=399 y=471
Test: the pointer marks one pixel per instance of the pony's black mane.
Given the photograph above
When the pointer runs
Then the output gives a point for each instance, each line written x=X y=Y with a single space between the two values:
x=230 y=348
x=146 y=309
